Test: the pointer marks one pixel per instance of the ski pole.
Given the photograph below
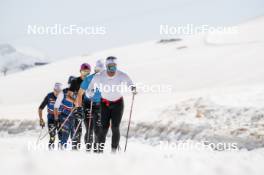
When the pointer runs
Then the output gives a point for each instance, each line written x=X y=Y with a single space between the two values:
x=66 y=120
x=90 y=119
x=129 y=121
x=39 y=135
x=59 y=127
x=76 y=129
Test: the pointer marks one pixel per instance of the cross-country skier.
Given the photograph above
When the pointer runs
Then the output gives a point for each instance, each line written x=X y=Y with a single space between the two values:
x=109 y=82
x=92 y=125
x=72 y=119
x=65 y=106
x=49 y=101
x=85 y=70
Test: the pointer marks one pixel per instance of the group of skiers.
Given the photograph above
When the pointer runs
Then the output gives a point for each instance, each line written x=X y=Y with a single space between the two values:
x=85 y=101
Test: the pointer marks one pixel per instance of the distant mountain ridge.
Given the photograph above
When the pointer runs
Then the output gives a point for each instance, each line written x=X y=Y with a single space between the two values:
x=12 y=61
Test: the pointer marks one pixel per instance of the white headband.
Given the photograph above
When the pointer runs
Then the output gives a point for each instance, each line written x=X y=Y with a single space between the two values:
x=110 y=61
x=99 y=65
x=58 y=86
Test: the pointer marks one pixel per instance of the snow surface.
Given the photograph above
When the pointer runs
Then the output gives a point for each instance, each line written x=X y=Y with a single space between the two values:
x=217 y=95
x=139 y=159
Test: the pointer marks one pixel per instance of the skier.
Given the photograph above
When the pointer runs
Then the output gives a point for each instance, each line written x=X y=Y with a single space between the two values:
x=65 y=119
x=72 y=93
x=49 y=101
x=112 y=104
x=71 y=119
x=92 y=125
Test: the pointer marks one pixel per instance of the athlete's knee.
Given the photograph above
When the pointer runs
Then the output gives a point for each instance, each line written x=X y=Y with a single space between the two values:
x=102 y=134
x=115 y=130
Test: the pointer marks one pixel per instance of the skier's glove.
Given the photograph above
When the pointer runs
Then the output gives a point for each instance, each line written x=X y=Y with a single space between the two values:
x=90 y=93
x=41 y=123
x=134 y=90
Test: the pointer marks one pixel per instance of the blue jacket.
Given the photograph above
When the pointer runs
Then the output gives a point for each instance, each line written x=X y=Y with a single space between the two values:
x=48 y=101
x=85 y=85
x=66 y=106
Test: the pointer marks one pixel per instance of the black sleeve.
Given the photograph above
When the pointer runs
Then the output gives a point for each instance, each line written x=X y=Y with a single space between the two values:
x=72 y=86
x=44 y=103
x=65 y=90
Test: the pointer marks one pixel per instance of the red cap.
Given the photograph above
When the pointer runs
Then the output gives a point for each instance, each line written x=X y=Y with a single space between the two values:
x=85 y=66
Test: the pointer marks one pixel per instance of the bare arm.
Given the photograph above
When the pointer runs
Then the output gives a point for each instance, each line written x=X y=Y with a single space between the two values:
x=42 y=106
x=78 y=101
x=40 y=114
x=70 y=96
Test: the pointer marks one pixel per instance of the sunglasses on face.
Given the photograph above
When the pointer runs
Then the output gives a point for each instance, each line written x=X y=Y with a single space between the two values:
x=85 y=71
x=57 y=90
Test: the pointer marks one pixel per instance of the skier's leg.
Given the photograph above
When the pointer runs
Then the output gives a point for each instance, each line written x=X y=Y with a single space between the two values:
x=71 y=120
x=52 y=134
x=85 y=121
x=76 y=141
x=88 y=137
x=116 y=116
x=96 y=124
x=105 y=121
x=65 y=131
x=88 y=122
x=76 y=131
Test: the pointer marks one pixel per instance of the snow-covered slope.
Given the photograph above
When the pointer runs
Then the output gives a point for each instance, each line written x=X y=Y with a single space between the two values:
x=13 y=60
x=217 y=78
x=246 y=33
